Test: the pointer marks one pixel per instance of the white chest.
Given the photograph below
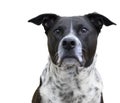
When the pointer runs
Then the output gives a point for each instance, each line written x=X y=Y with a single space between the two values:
x=73 y=90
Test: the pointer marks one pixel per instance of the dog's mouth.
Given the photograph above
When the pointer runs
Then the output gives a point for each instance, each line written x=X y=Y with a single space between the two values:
x=68 y=61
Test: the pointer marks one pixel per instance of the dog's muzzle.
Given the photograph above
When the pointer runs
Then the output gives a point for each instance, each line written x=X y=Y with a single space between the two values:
x=70 y=52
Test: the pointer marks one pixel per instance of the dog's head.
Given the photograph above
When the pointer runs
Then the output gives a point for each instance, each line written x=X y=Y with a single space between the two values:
x=72 y=40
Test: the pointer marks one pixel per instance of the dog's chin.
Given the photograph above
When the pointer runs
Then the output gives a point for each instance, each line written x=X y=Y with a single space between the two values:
x=69 y=62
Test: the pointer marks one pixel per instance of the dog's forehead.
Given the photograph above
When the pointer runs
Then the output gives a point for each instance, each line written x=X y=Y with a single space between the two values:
x=74 y=20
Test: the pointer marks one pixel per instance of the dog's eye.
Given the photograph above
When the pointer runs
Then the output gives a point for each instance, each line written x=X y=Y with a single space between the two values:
x=58 y=31
x=83 y=30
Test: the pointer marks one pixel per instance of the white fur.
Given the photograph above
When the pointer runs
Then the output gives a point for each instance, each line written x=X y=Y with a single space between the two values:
x=86 y=80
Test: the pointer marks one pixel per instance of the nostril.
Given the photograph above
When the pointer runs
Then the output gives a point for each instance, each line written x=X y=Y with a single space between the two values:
x=64 y=43
x=72 y=43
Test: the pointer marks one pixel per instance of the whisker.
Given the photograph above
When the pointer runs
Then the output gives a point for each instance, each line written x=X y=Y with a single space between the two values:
x=57 y=55
x=84 y=50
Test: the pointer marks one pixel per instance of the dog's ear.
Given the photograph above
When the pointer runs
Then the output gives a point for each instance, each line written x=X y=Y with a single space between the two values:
x=47 y=20
x=99 y=20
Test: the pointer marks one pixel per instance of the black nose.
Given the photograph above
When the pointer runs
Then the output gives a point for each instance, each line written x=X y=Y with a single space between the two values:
x=68 y=44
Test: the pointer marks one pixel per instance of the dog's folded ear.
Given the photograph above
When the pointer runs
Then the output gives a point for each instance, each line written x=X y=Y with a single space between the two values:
x=47 y=20
x=99 y=20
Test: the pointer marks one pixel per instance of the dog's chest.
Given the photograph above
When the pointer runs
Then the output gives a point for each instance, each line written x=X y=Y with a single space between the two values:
x=71 y=89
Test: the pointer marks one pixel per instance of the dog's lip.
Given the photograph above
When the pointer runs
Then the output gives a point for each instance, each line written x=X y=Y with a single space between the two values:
x=69 y=57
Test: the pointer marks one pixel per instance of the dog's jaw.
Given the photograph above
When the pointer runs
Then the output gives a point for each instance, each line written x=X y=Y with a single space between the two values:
x=71 y=65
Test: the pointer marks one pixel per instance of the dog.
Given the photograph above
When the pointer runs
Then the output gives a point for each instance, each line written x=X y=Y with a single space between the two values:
x=70 y=75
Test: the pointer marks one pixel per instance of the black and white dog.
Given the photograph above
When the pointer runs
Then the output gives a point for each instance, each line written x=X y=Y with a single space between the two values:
x=70 y=75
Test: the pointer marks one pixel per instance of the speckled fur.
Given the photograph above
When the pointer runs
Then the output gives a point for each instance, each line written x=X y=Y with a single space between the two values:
x=76 y=85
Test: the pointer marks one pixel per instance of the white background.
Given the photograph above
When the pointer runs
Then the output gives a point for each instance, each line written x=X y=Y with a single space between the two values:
x=23 y=47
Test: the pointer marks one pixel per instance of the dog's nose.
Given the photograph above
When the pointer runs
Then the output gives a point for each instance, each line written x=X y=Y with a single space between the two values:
x=68 y=44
